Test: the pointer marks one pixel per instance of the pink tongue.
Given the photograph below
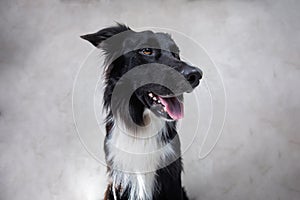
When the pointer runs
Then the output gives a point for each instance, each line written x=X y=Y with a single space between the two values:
x=173 y=107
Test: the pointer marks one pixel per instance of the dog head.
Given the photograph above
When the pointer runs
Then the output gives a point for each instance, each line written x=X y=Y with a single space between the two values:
x=126 y=50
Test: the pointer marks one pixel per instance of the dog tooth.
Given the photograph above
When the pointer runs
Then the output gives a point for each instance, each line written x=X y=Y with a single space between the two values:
x=150 y=94
x=154 y=98
x=158 y=101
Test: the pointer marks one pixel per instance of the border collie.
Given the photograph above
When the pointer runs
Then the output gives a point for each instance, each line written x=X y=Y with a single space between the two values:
x=143 y=98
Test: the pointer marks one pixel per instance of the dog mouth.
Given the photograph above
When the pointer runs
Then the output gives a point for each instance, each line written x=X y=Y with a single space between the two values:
x=169 y=107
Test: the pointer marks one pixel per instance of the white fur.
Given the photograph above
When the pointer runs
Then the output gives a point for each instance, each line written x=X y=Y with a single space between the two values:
x=136 y=155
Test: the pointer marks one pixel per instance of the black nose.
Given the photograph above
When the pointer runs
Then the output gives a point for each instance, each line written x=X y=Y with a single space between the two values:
x=192 y=75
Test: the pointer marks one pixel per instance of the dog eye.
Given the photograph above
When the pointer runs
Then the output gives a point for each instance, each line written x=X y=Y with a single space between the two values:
x=147 y=51
x=176 y=55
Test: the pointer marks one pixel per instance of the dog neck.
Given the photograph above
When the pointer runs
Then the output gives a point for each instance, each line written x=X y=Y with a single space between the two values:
x=134 y=155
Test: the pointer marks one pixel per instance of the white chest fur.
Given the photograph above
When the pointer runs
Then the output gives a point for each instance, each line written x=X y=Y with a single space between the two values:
x=136 y=156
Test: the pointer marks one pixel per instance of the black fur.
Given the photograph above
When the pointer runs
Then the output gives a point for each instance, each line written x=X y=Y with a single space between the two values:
x=123 y=53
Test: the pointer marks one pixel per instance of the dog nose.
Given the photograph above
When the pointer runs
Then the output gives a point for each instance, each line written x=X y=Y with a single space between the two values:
x=192 y=75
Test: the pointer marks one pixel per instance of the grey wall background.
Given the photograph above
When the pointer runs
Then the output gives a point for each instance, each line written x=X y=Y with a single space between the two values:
x=255 y=44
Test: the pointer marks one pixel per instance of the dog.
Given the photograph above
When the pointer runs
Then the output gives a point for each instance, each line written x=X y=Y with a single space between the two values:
x=142 y=147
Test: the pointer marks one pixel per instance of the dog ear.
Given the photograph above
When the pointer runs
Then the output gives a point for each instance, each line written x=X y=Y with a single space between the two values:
x=102 y=35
